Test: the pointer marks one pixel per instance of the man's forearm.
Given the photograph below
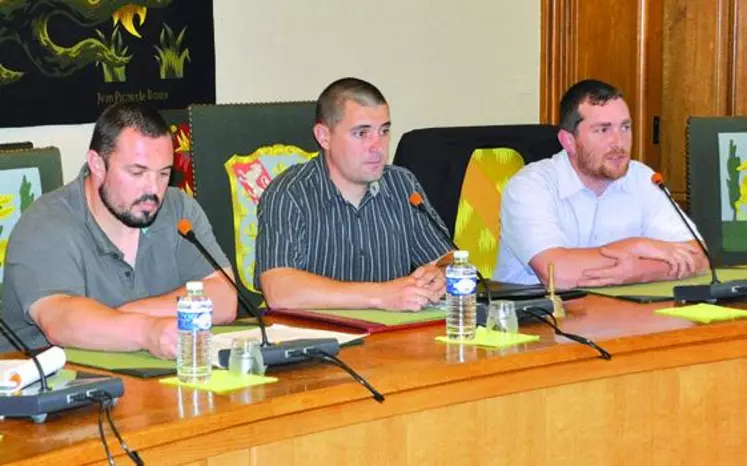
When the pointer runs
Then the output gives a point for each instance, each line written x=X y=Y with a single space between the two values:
x=287 y=288
x=85 y=323
x=569 y=265
x=573 y=264
x=216 y=287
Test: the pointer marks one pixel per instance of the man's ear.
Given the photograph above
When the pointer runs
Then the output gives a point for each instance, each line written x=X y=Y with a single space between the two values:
x=568 y=141
x=321 y=133
x=96 y=164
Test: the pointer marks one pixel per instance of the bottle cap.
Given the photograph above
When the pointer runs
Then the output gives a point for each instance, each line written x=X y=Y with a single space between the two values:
x=461 y=255
x=194 y=286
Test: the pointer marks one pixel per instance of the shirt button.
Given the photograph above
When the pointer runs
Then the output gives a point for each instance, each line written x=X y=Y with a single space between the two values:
x=128 y=274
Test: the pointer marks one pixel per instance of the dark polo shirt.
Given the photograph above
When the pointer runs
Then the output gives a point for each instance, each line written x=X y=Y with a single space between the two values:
x=58 y=248
x=306 y=224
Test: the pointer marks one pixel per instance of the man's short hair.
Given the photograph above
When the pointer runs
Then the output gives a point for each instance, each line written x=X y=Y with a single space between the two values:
x=591 y=90
x=118 y=117
x=331 y=103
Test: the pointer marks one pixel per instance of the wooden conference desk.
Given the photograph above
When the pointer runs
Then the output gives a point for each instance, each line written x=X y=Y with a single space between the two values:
x=674 y=393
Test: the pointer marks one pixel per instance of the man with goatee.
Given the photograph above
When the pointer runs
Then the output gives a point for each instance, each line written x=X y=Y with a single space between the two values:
x=590 y=210
x=98 y=263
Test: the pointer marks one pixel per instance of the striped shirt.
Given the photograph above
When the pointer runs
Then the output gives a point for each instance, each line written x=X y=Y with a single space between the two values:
x=306 y=224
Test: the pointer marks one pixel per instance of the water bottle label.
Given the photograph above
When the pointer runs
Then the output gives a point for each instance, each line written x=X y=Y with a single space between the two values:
x=194 y=315
x=461 y=286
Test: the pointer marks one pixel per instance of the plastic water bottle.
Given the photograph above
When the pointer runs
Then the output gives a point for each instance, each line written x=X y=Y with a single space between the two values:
x=461 y=289
x=195 y=316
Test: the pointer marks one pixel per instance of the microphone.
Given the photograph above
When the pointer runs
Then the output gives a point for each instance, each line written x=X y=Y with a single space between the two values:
x=273 y=354
x=416 y=200
x=701 y=293
x=539 y=309
x=521 y=305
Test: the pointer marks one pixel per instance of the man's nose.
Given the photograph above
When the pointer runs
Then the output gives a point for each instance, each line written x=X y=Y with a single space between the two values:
x=377 y=143
x=617 y=138
x=153 y=182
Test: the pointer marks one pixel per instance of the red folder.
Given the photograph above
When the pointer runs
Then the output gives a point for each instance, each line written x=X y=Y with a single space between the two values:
x=350 y=322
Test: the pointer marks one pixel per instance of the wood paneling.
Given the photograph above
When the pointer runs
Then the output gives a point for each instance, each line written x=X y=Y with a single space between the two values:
x=643 y=418
x=672 y=58
x=651 y=82
x=695 y=76
x=739 y=58
x=579 y=43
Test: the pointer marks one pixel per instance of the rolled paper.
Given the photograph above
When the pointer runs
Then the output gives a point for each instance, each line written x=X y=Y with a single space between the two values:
x=26 y=373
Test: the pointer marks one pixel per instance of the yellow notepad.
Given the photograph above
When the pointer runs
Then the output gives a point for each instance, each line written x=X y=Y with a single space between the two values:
x=703 y=313
x=222 y=381
x=493 y=339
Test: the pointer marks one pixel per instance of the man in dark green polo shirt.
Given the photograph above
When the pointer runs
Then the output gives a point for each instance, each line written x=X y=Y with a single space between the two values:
x=98 y=264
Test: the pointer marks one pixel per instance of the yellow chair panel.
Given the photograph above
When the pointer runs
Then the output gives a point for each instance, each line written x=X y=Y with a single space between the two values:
x=478 y=224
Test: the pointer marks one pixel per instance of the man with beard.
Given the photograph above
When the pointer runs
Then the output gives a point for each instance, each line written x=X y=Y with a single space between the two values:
x=338 y=231
x=98 y=263
x=590 y=210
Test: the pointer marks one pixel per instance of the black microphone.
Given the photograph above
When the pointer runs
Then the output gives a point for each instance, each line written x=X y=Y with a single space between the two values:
x=521 y=305
x=273 y=354
x=416 y=200
x=701 y=293
x=16 y=341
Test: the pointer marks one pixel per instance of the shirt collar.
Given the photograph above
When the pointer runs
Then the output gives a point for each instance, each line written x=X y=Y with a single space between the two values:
x=102 y=242
x=330 y=191
x=569 y=182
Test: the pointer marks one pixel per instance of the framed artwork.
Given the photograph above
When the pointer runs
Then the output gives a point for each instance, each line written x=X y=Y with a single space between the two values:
x=237 y=149
x=717 y=185
x=24 y=176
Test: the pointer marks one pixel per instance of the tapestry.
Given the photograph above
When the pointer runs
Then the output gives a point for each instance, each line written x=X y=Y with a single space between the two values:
x=717 y=185
x=733 y=198
x=64 y=61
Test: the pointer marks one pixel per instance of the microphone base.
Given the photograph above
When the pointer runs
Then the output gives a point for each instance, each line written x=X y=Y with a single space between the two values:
x=713 y=293
x=289 y=352
x=64 y=395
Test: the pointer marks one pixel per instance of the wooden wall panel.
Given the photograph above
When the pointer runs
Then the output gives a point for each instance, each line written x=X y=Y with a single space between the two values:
x=651 y=83
x=695 y=76
x=586 y=45
x=648 y=418
x=672 y=58
x=739 y=54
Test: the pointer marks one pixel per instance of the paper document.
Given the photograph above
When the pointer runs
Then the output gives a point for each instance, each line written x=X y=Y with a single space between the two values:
x=18 y=373
x=277 y=333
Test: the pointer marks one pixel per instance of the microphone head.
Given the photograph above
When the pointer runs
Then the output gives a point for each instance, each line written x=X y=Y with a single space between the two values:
x=416 y=199
x=657 y=179
x=184 y=226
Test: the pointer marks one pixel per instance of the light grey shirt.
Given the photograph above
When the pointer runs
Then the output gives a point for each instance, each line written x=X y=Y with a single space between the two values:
x=57 y=247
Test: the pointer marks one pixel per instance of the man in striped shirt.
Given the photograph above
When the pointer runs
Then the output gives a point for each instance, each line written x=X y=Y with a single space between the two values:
x=338 y=231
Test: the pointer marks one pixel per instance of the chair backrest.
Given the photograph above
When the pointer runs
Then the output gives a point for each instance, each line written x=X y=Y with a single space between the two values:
x=463 y=171
x=237 y=149
x=24 y=176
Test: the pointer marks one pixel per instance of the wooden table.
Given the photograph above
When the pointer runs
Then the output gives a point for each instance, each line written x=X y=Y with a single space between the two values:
x=674 y=393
